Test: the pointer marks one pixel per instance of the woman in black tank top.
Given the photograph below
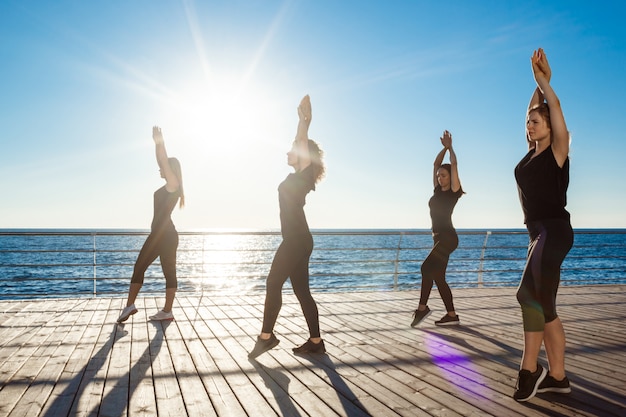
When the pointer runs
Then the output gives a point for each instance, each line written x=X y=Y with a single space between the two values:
x=163 y=239
x=445 y=240
x=292 y=257
x=542 y=179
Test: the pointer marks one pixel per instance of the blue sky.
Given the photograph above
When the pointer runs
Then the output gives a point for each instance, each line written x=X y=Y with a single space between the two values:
x=84 y=82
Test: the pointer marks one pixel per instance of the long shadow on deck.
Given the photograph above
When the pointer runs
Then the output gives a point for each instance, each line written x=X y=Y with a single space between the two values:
x=349 y=401
x=73 y=392
x=586 y=397
x=278 y=383
x=115 y=403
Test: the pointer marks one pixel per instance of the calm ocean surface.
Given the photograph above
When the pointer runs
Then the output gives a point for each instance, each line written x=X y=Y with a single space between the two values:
x=59 y=263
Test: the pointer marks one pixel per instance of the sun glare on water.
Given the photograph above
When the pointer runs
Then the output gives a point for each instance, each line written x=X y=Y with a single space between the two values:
x=226 y=262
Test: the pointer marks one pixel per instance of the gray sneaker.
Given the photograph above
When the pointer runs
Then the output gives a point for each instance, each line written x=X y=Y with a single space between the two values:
x=263 y=345
x=419 y=316
x=126 y=313
x=162 y=315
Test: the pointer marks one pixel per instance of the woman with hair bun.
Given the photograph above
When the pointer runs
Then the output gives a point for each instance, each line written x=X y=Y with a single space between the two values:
x=445 y=240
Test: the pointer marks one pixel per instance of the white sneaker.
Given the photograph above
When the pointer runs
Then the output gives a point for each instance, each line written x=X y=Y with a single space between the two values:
x=126 y=313
x=162 y=315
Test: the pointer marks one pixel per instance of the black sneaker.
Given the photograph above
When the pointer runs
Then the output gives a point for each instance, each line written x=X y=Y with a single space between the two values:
x=552 y=385
x=420 y=315
x=528 y=382
x=310 y=347
x=448 y=320
x=263 y=345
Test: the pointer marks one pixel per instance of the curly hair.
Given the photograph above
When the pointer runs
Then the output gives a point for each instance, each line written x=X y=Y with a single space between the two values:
x=317 y=160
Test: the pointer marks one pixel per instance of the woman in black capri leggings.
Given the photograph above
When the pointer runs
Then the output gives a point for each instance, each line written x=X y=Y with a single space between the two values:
x=542 y=179
x=292 y=257
x=445 y=240
x=163 y=239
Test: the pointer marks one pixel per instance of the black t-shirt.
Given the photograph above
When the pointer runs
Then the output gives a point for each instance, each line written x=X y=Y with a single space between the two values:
x=441 y=206
x=291 y=199
x=542 y=186
x=164 y=203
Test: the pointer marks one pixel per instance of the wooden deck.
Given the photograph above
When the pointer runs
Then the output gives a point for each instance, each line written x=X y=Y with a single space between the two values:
x=68 y=357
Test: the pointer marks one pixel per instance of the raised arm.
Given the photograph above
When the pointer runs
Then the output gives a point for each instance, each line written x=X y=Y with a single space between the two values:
x=172 y=183
x=446 y=141
x=302 y=133
x=560 y=135
x=437 y=164
x=536 y=99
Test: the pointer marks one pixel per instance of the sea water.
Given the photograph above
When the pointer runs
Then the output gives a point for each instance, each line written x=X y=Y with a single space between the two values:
x=44 y=263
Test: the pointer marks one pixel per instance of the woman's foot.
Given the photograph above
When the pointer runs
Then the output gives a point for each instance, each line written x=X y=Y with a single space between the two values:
x=550 y=384
x=263 y=345
x=448 y=320
x=310 y=347
x=126 y=313
x=162 y=315
x=420 y=315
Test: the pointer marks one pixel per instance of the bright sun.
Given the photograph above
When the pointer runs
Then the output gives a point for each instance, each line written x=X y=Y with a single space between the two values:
x=231 y=138
x=223 y=113
x=228 y=121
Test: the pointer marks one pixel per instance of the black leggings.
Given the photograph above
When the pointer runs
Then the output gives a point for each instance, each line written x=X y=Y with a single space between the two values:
x=291 y=261
x=550 y=241
x=434 y=268
x=162 y=244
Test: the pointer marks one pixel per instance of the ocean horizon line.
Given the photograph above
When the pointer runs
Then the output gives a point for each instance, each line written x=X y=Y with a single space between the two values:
x=277 y=230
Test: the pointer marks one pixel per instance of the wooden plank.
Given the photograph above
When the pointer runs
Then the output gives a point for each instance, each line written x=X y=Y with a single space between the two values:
x=201 y=341
x=194 y=395
x=66 y=390
x=166 y=386
x=488 y=353
x=343 y=396
x=22 y=388
x=229 y=354
x=443 y=370
x=94 y=372
x=308 y=391
x=69 y=357
x=75 y=314
x=141 y=395
x=374 y=375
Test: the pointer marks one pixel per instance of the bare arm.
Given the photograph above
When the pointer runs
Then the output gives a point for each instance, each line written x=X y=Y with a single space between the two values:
x=455 y=183
x=172 y=183
x=536 y=99
x=446 y=141
x=302 y=133
x=560 y=135
x=437 y=164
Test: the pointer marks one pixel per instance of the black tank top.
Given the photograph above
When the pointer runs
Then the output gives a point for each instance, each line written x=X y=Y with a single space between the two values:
x=441 y=206
x=291 y=200
x=542 y=186
x=164 y=203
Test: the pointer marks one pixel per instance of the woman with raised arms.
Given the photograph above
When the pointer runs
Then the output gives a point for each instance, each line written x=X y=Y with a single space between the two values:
x=292 y=257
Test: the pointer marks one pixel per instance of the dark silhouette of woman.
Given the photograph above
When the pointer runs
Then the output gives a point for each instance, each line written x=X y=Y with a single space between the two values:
x=292 y=257
x=163 y=239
